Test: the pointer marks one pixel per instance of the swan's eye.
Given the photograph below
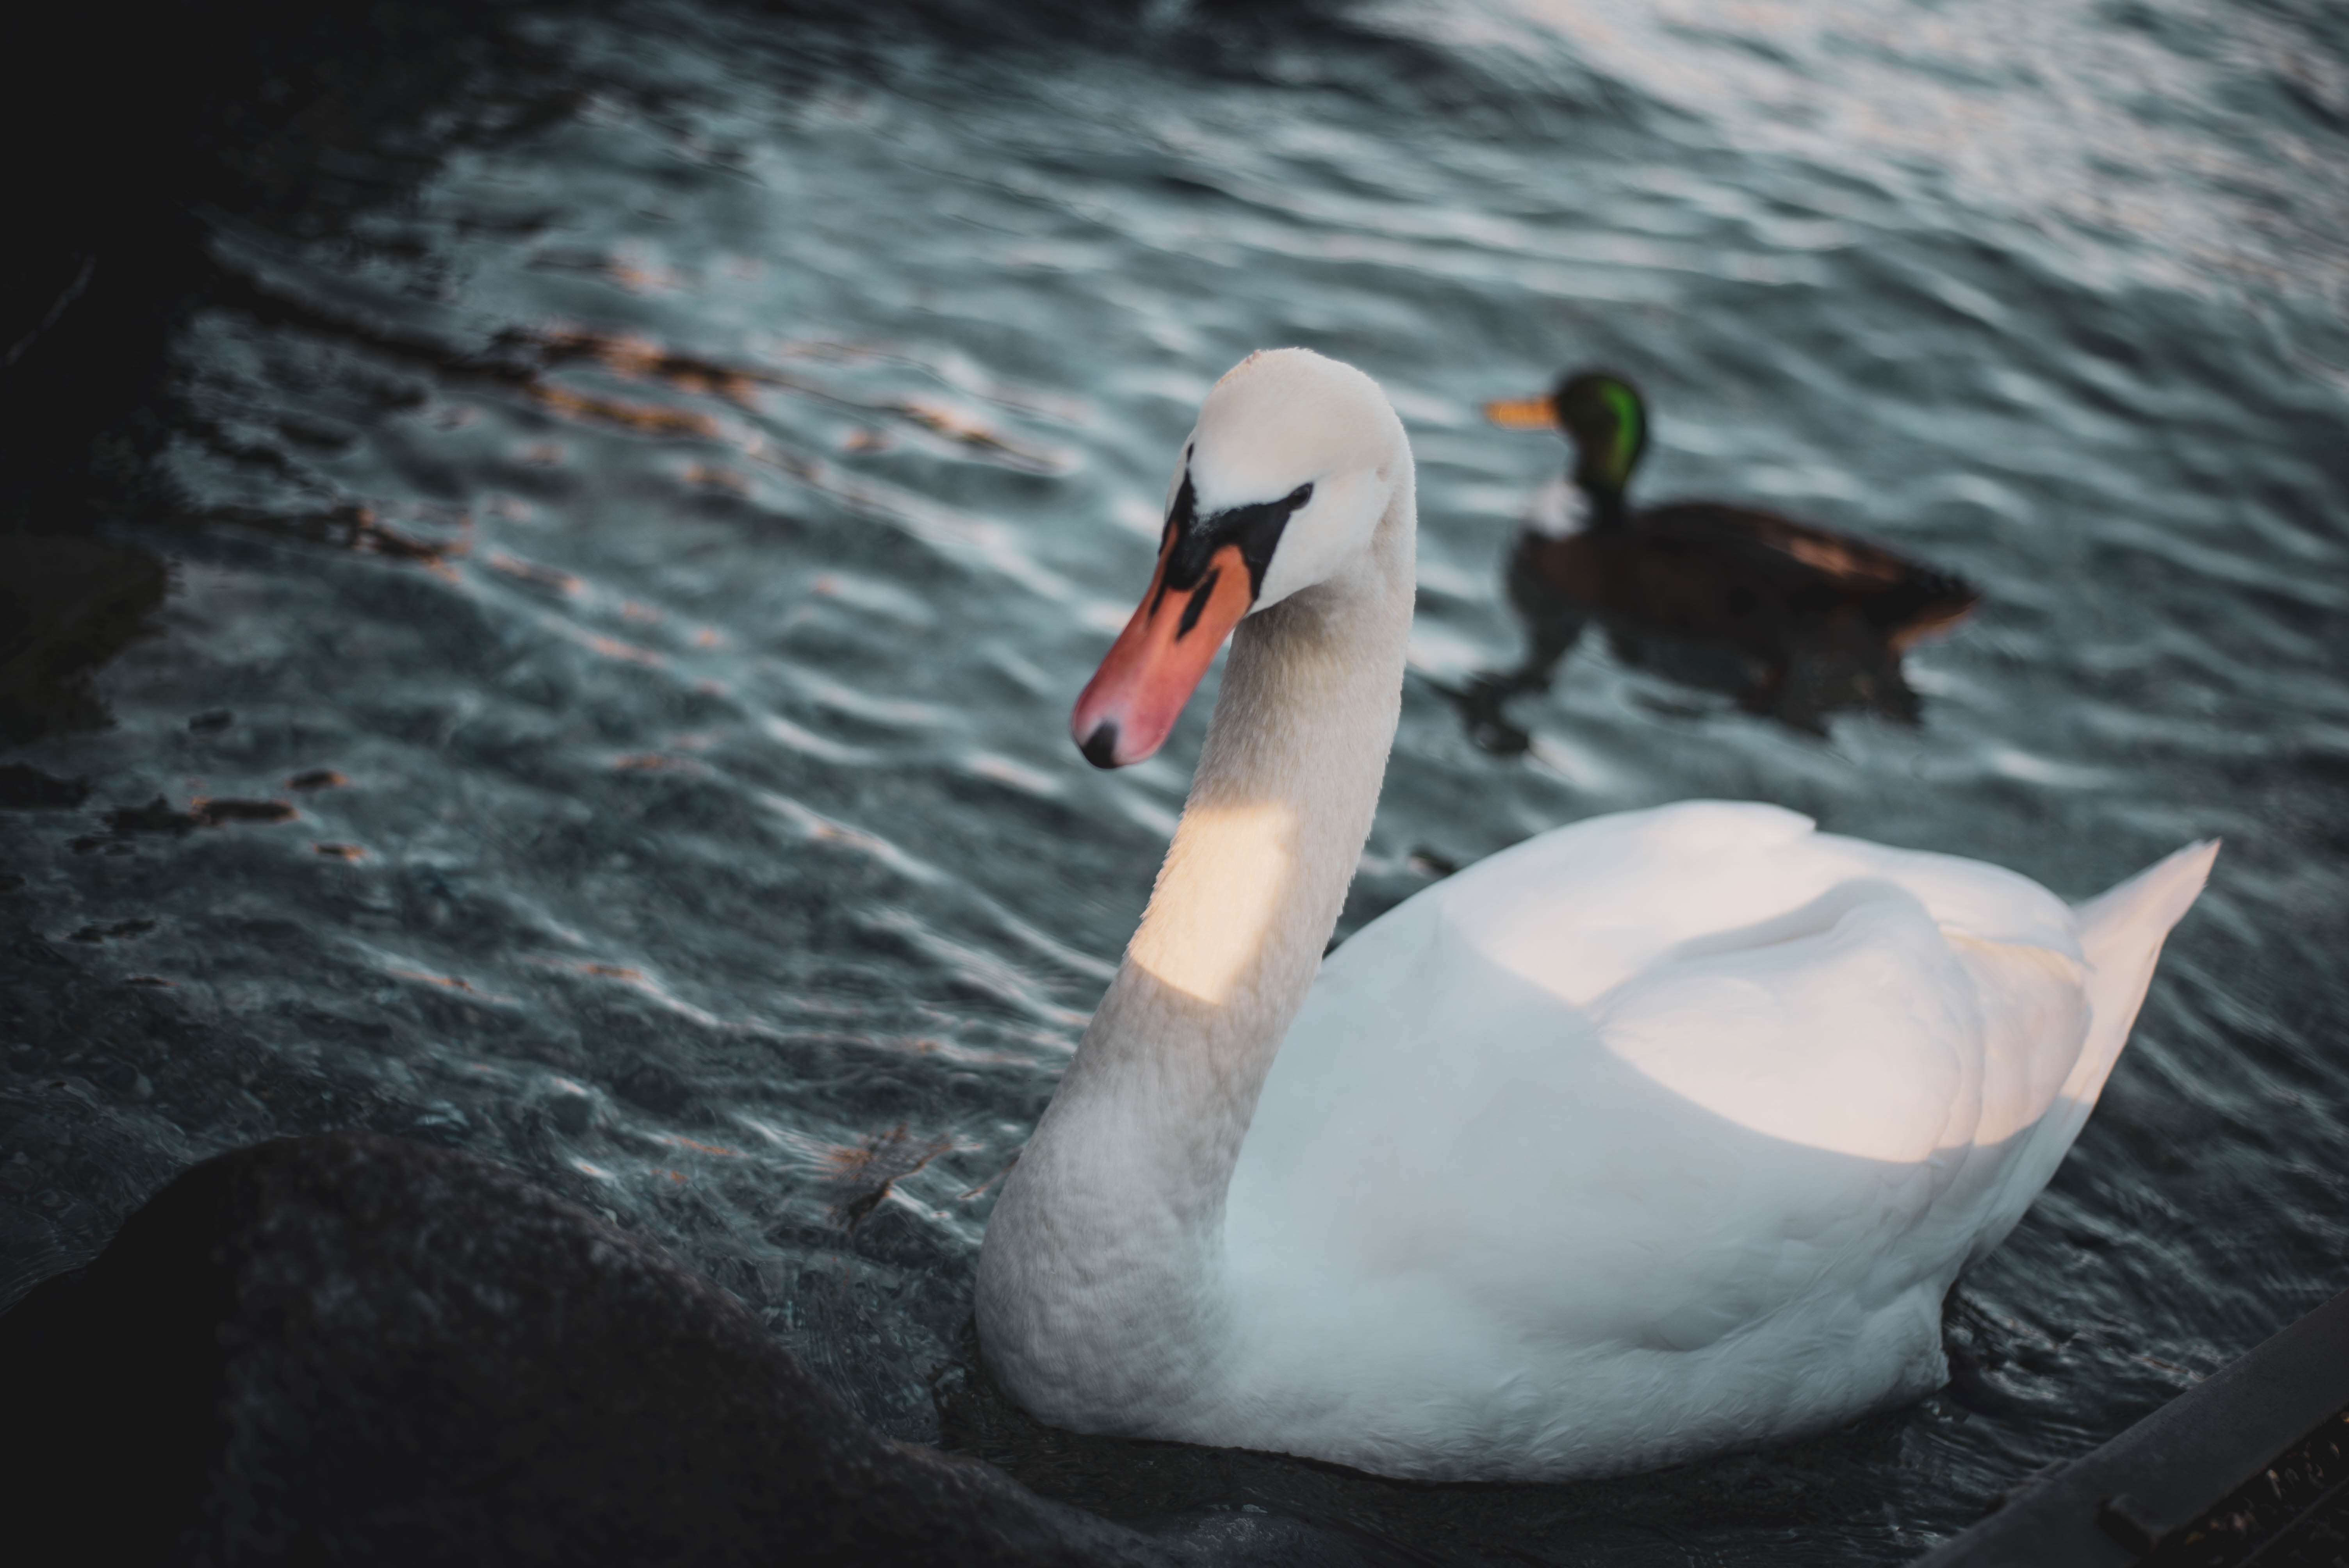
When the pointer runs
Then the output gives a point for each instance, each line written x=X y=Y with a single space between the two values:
x=1193 y=538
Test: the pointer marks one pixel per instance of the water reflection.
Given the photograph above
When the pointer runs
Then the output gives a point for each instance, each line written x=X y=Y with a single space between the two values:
x=1792 y=620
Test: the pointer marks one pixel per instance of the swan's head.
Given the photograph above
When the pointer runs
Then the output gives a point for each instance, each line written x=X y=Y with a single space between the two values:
x=1280 y=490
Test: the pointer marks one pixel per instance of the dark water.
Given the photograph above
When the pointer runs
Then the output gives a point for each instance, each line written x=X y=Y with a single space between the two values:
x=642 y=486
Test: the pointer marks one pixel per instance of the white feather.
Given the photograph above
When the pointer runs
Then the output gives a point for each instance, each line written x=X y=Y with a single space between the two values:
x=1558 y=510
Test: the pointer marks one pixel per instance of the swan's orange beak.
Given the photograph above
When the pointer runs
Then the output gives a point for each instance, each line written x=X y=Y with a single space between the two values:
x=1135 y=699
x=1522 y=413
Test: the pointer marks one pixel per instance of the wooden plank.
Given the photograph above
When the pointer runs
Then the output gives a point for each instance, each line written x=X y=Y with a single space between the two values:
x=2115 y=1506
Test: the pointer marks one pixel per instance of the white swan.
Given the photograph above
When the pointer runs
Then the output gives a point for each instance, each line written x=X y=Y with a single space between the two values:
x=1658 y=1134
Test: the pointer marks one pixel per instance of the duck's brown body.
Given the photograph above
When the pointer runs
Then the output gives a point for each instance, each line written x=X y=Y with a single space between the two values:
x=1701 y=569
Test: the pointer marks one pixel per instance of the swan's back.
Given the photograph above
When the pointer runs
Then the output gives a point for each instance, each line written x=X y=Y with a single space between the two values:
x=1668 y=1129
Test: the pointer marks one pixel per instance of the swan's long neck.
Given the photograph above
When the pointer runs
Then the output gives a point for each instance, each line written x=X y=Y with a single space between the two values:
x=1102 y=1262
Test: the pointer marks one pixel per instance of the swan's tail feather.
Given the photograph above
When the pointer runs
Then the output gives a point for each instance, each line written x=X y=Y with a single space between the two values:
x=2121 y=934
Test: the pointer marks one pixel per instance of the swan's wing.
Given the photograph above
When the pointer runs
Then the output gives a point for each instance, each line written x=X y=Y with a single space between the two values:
x=1583 y=908
x=1667 y=1074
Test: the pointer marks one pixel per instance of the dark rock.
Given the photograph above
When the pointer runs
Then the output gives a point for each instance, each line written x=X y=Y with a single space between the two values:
x=354 y=1349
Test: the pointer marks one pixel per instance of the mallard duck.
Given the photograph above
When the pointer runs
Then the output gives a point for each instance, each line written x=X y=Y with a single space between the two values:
x=1794 y=620
x=1656 y=1135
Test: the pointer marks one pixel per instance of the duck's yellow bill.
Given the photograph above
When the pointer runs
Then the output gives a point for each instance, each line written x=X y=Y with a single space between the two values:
x=1522 y=413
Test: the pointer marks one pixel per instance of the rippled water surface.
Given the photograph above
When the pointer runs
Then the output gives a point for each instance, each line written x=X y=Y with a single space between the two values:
x=645 y=509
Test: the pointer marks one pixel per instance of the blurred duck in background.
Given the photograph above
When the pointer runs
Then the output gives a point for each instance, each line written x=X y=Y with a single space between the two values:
x=1792 y=620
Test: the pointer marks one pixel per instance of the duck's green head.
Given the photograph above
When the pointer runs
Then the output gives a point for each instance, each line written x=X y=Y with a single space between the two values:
x=1603 y=415
x=1610 y=426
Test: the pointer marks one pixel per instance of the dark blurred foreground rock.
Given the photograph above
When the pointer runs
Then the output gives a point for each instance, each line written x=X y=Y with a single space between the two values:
x=354 y=1349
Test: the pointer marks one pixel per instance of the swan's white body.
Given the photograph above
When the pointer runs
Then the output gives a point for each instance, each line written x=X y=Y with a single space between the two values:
x=1658 y=1134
